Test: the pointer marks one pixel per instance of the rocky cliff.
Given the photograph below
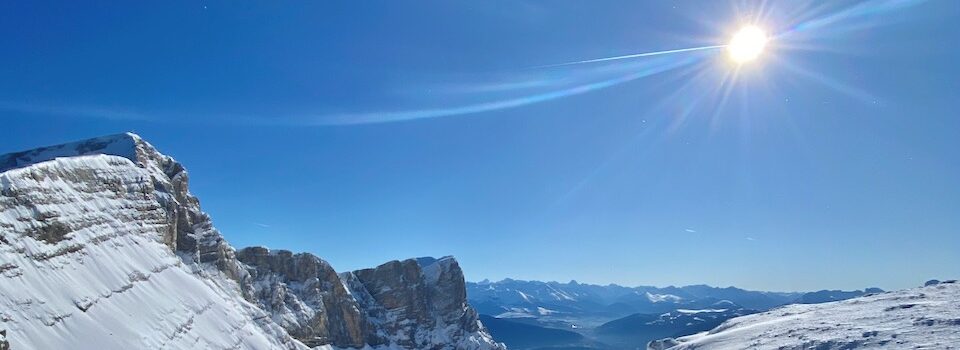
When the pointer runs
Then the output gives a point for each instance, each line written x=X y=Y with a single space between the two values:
x=103 y=246
x=415 y=303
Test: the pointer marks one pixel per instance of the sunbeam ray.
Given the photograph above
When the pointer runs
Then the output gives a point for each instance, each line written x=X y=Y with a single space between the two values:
x=645 y=54
x=864 y=10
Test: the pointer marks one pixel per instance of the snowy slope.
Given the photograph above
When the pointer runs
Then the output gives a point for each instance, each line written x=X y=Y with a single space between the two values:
x=920 y=318
x=84 y=265
x=102 y=246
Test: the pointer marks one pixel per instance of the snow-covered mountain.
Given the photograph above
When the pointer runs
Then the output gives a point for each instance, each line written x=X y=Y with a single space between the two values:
x=579 y=305
x=102 y=246
x=920 y=318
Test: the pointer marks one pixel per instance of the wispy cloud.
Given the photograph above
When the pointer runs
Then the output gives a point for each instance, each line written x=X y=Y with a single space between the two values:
x=522 y=88
x=262 y=225
x=596 y=79
x=80 y=111
x=690 y=230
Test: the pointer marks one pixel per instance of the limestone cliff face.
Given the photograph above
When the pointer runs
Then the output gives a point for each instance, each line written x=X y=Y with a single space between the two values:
x=305 y=296
x=414 y=304
x=420 y=303
x=101 y=241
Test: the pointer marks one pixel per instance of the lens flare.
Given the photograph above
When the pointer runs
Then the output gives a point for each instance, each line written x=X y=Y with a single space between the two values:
x=747 y=44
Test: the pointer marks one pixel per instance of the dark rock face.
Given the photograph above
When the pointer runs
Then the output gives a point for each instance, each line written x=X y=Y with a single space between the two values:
x=305 y=296
x=400 y=303
x=431 y=296
x=4 y=345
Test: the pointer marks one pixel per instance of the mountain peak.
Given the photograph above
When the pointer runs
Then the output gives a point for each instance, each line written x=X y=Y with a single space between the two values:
x=429 y=260
x=93 y=228
x=127 y=145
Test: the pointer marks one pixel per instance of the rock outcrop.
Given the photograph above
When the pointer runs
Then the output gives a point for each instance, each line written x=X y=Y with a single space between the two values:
x=414 y=304
x=306 y=296
x=419 y=303
x=103 y=246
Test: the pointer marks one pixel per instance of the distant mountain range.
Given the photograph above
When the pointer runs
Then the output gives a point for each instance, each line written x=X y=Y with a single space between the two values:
x=825 y=296
x=920 y=318
x=525 y=314
x=638 y=329
x=553 y=300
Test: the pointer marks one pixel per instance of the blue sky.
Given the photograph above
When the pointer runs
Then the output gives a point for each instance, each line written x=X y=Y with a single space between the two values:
x=371 y=131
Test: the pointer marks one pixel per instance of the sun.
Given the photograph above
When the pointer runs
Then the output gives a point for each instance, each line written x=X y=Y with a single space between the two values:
x=747 y=44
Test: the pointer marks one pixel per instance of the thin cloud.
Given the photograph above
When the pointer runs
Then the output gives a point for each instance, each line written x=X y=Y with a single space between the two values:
x=556 y=85
x=635 y=71
x=690 y=230
x=262 y=225
x=80 y=111
x=501 y=86
x=636 y=55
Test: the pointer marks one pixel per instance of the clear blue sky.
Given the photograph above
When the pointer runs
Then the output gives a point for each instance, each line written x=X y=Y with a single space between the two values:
x=833 y=161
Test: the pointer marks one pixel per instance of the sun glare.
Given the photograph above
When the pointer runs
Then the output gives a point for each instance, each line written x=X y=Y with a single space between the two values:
x=747 y=44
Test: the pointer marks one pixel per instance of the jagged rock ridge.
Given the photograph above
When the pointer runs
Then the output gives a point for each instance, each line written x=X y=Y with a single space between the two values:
x=415 y=303
x=102 y=246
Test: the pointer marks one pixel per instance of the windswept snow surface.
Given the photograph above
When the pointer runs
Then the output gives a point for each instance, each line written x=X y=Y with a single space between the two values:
x=920 y=318
x=83 y=266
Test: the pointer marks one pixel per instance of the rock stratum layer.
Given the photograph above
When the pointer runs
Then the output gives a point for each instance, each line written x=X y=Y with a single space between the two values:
x=102 y=246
